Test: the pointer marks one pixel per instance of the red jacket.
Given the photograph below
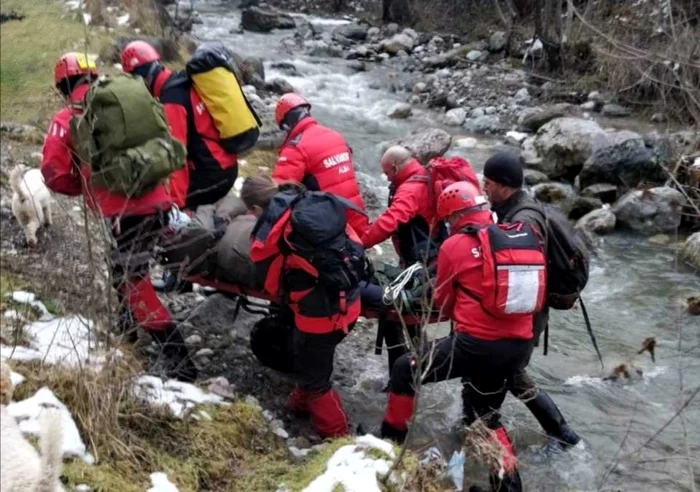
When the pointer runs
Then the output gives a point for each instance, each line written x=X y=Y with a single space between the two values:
x=460 y=263
x=410 y=213
x=63 y=173
x=210 y=171
x=320 y=158
x=314 y=312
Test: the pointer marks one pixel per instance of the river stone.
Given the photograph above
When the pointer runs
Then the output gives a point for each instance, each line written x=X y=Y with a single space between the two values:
x=601 y=221
x=554 y=193
x=522 y=96
x=427 y=144
x=529 y=155
x=690 y=251
x=533 y=177
x=214 y=316
x=605 y=192
x=392 y=28
x=487 y=123
x=588 y=106
x=397 y=43
x=497 y=42
x=279 y=86
x=400 y=111
x=615 y=111
x=582 y=205
x=564 y=144
x=256 y=64
x=474 y=55
x=455 y=117
x=652 y=211
x=533 y=119
x=627 y=163
x=22 y=133
x=357 y=66
x=354 y=32
x=287 y=68
x=373 y=33
x=265 y=20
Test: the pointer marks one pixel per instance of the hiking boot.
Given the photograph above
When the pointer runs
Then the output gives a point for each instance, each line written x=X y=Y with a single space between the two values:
x=552 y=421
x=174 y=359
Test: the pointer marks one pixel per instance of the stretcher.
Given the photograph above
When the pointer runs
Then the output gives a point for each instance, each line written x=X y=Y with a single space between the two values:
x=246 y=297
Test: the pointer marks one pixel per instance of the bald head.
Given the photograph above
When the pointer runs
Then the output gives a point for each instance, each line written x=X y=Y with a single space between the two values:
x=394 y=159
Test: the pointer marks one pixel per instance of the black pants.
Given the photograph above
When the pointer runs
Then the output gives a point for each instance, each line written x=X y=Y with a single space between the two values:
x=487 y=365
x=313 y=359
x=135 y=240
x=209 y=186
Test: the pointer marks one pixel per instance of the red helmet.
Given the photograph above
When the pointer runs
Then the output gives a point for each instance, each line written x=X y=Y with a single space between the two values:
x=137 y=53
x=286 y=104
x=72 y=64
x=459 y=196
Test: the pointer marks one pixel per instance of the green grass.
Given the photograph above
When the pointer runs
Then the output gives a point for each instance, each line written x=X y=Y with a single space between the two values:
x=30 y=49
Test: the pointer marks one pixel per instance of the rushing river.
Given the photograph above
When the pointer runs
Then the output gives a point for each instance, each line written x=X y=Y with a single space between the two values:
x=636 y=290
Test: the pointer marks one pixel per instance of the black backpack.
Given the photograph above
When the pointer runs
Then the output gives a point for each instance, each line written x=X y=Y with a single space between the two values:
x=567 y=257
x=567 y=263
x=318 y=235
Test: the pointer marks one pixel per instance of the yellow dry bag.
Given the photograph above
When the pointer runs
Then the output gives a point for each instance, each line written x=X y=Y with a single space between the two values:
x=214 y=79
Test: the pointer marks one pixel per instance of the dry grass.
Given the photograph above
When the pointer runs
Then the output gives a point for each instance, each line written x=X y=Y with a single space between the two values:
x=481 y=443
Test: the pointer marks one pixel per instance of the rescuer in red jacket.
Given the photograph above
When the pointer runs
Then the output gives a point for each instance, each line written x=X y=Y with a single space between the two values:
x=484 y=349
x=407 y=221
x=408 y=218
x=321 y=320
x=316 y=156
x=136 y=224
x=211 y=171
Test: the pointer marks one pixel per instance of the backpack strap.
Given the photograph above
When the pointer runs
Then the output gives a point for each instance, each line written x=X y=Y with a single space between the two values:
x=590 y=332
x=418 y=178
x=349 y=205
x=537 y=207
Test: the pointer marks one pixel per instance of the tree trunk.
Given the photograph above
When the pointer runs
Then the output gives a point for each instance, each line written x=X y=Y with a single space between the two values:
x=396 y=11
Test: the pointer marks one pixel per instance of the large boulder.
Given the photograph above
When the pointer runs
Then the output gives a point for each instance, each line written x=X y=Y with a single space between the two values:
x=581 y=205
x=427 y=144
x=265 y=20
x=627 y=162
x=652 y=211
x=533 y=119
x=564 y=145
x=605 y=192
x=279 y=86
x=559 y=194
x=533 y=177
x=398 y=42
x=355 y=32
x=601 y=221
x=690 y=252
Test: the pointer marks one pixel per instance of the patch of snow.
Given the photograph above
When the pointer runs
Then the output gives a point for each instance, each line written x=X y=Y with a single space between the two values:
x=74 y=4
x=29 y=298
x=372 y=442
x=280 y=432
x=27 y=413
x=352 y=469
x=179 y=397
x=160 y=483
x=122 y=20
x=83 y=488
x=16 y=378
x=68 y=341
x=87 y=18
x=13 y=315
x=515 y=138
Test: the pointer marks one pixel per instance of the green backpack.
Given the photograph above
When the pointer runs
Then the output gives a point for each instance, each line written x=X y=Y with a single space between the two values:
x=123 y=134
